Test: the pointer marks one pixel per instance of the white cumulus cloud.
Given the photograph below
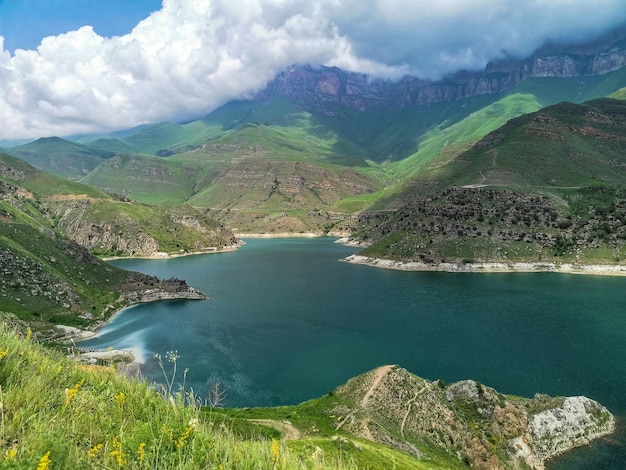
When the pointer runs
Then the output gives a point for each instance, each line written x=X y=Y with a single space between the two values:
x=194 y=55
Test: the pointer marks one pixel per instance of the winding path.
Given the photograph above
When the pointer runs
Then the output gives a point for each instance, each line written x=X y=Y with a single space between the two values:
x=288 y=431
x=380 y=373
x=408 y=409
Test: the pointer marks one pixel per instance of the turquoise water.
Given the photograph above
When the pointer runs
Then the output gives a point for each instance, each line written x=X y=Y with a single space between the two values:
x=285 y=321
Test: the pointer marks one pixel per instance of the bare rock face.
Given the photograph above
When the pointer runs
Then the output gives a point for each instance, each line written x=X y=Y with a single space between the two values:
x=577 y=421
x=481 y=427
x=326 y=89
x=123 y=233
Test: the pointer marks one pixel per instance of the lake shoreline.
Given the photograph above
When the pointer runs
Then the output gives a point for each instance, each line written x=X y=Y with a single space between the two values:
x=163 y=255
x=512 y=267
x=280 y=235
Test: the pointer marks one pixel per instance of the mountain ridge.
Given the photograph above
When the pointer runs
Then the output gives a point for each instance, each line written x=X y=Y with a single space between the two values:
x=547 y=187
x=324 y=89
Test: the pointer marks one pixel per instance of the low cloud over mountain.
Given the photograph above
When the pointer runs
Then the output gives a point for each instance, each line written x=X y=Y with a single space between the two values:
x=194 y=55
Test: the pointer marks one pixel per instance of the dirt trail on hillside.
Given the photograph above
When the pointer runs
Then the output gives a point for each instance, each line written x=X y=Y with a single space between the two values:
x=380 y=373
x=288 y=431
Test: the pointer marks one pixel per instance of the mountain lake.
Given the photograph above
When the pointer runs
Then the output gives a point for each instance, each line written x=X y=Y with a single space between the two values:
x=286 y=321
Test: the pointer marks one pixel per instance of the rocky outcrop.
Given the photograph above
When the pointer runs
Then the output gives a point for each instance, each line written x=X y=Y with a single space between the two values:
x=577 y=421
x=140 y=288
x=23 y=277
x=481 y=427
x=117 y=228
x=121 y=234
x=326 y=89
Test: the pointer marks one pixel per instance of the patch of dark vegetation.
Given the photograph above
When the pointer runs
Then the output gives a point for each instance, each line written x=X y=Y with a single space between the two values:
x=461 y=224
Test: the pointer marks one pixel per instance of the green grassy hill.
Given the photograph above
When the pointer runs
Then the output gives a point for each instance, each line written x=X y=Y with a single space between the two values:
x=269 y=165
x=61 y=157
x=50 y=228
x=547 y=186
x=107 y=224
x=564 y=145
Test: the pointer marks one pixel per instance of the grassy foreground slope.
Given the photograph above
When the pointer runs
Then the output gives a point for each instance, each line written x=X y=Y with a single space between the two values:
x=73 y=416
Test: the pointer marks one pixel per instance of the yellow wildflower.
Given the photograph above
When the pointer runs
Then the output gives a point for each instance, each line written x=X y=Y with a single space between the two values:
x=94 y=451
x=141 y=452
x=180 y=442
x=275 y=451
x=117 y=452
x=169 y=432
x=44 y=462
x=29 y=334
x=3 y=352
x=11 y=453
x=70 y=393
x=184 y=437
x=120 y=398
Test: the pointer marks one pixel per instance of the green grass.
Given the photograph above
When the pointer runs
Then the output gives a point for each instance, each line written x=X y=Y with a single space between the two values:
x=148 y=179
x=444 y=143
x=559 y=153
x=619 y=94
x=45 y=184
x=317 y=424
x=552 y=90
x=88 y=417
x=61 y=157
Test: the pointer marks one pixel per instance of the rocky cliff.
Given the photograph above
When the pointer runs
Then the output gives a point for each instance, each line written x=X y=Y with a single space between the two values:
x=110 y=227
x=325 y=89
x=481 y=427
x=140 y=288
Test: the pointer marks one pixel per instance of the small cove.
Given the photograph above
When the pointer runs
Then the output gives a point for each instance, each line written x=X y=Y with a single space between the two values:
x=285 y=321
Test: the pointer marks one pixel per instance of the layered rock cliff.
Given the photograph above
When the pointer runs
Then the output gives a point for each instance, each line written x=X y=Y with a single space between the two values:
x=325 y=89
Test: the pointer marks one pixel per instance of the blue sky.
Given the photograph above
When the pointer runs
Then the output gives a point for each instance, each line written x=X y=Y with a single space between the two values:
x=24 y=23
x=89 y=66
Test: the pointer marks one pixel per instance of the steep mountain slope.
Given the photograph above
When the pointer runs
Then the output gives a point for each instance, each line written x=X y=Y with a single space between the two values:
x=49 y=227
x=47 y=280
x=105 y=224
x=61 y=157
x=327 y=90
x=547 y=186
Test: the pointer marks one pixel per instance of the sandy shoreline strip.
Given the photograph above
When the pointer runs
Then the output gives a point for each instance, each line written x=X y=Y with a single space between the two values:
x=522 y=267
x=164 y=255
x=279 y=235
